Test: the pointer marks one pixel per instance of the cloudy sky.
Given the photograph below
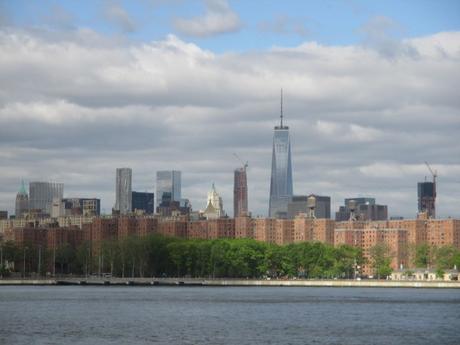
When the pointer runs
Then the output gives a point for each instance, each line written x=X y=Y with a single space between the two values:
x=371 y=92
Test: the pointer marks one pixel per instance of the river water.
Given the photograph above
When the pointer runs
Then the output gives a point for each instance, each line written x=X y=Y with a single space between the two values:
x=228 y=315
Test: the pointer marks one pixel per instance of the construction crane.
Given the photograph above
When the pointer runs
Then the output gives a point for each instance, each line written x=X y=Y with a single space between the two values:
x=245 y=165
x=433 y=173
x=430 y=200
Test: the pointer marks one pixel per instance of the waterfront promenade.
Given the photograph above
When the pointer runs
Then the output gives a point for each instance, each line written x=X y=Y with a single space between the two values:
x=232 y=282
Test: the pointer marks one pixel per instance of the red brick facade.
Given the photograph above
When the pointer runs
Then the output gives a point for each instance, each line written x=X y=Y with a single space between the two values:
x=398 y=235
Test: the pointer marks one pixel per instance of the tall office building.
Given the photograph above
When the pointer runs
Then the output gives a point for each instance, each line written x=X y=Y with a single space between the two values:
x=281 y=176
x=142 y=201
x=123 y=190
x=240 y=193
x=41 y=195
x=168 y=181
x=426 y=192
x=22 y=202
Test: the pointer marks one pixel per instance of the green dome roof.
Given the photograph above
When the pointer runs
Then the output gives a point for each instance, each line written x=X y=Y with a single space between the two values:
x=22 y=190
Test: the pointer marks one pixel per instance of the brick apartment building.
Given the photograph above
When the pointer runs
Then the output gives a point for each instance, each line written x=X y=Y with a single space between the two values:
x=397 y=235
x=244 y=227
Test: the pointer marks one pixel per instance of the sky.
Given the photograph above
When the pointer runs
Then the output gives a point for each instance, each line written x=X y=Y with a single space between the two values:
x=370 y=94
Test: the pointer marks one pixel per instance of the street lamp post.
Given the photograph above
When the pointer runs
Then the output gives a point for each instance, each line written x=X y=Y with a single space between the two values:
x=1 y=261
x=24 y=264
x=86 y=263
x=54 y=256
x=39 y=260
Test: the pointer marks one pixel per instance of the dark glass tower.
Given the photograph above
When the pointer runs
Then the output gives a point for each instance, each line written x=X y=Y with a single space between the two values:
x=426 y=192
x=281 y=177
x=142 y=201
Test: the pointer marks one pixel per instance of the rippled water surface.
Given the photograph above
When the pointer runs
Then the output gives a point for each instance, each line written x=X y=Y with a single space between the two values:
x=228 y=315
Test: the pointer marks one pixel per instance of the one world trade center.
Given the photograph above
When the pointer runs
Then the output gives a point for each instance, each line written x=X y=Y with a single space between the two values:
x=281 y=178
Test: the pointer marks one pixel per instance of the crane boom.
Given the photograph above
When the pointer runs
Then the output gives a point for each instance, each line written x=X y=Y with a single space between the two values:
x=433 y=173
x=245 y=165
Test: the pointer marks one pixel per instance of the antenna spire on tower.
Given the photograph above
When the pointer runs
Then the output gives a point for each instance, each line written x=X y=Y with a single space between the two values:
x=281 y=116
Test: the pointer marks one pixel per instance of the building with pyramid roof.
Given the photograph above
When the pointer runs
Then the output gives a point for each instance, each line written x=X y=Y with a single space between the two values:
x=22 y=202
x=214 y=206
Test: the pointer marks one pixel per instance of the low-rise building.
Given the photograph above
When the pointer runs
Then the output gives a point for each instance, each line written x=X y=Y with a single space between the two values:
x=424 y=274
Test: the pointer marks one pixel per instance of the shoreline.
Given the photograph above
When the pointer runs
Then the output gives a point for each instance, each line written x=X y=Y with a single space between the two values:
x=190 y=282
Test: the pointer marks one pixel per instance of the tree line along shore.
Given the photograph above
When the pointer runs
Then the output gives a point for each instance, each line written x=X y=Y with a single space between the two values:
x=161 y=256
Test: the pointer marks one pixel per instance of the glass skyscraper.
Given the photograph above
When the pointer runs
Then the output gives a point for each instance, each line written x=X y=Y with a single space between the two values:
x=281 y=177
x=41 y=195
x=123 y=190
x=169 y=185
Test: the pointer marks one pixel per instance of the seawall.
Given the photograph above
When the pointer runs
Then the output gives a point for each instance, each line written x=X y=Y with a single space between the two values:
x=231 y=282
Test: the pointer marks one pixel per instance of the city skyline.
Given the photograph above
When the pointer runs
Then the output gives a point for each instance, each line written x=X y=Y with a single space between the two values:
x=176 y=176
x=171 y=180
x=366 y=109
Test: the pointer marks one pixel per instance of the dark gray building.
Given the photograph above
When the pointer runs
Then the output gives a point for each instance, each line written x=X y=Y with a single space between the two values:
x=142 y=201
x=299 y=204
x=363 y=209
x=426 y=192
x=81 y=206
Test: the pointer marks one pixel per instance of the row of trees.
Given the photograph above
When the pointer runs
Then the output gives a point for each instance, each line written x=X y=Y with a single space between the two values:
x=172 y=257
x=421 y=256
x=158 y=256
x=440 y=258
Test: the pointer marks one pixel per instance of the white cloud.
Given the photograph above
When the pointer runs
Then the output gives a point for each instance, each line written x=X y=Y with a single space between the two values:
x=328 y=128
x=363 y=134
x=219 y=18
x=75 y=106
x=347 y=132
